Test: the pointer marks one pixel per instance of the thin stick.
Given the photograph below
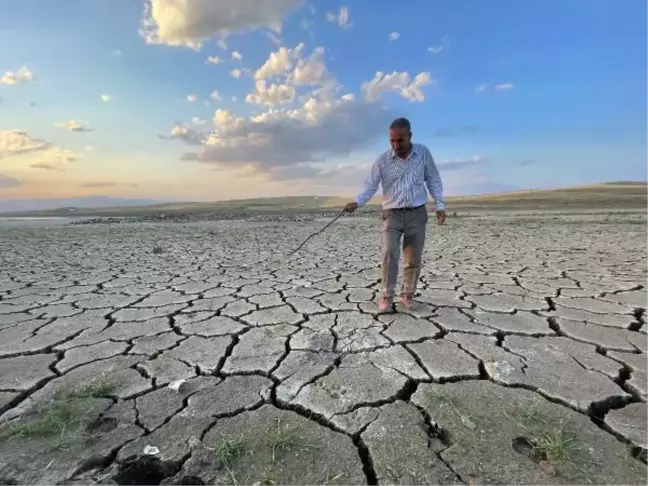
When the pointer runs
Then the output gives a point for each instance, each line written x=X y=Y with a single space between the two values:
x=316 y=233
x=281 y=259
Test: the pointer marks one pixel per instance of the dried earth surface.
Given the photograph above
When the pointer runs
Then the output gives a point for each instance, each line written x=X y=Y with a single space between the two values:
x=192 y=353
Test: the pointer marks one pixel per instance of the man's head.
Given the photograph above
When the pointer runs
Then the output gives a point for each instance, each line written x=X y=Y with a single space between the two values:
x=400 y=136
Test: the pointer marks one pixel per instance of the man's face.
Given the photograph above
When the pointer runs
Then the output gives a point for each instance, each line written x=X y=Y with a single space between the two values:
x=400 y=141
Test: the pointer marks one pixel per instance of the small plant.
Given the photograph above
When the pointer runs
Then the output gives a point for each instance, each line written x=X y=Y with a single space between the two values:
x=228 y=451
x=283 y=437
x=444 y=399
x=548 y=439
x=555 y=445
x=100 y=388
x=531 y=417
x=158 y=250
x=65 y=412
x=269 y=477
x=53 y=419
x=441 y=396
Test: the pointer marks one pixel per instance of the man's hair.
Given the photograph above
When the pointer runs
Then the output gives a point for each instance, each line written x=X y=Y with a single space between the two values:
x=401 y=124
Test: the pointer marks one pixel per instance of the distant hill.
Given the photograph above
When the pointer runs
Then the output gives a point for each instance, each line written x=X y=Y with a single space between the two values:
x=13 y=205
x=626 y=183
x=604 y=196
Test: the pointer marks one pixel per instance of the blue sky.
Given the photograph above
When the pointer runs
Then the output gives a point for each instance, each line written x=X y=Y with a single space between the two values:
x=562 y=98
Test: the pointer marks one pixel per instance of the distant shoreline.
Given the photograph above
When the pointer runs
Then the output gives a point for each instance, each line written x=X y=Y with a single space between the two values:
x=605 y=196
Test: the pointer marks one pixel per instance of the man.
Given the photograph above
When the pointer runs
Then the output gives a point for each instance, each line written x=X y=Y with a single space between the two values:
x=407 y=173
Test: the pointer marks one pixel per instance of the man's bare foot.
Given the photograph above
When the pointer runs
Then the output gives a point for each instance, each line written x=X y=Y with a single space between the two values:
x=407 y=301
x=385 y=304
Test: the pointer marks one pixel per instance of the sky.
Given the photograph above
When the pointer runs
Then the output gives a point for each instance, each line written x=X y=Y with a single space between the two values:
x=201 y=100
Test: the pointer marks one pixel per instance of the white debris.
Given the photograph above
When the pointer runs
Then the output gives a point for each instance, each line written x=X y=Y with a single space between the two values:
x=175 y=385
x=151 y=451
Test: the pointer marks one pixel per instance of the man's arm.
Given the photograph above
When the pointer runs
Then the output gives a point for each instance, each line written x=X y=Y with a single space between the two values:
x=433 y=181
x=371 y=185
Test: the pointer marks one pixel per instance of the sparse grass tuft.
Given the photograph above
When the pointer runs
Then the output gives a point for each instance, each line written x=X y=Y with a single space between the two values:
x=99 y=388
x=269 y=477
x=549 y=439
x=440 y=396
x=228 y=451
x=531 y=416
x=157 y=250
x=67 y=411
x=556 y=445
x=277 y=438
x=54 y=419
x=445 y=399
x=283 y=437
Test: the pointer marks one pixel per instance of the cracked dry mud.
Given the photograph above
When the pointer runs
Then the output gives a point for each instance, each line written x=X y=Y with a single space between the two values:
x=524 y=361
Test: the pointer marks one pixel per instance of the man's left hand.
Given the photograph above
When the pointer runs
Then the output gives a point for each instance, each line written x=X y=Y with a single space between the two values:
x=441 y=216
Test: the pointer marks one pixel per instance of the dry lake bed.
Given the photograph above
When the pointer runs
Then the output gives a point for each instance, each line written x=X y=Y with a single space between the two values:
x=173 y=353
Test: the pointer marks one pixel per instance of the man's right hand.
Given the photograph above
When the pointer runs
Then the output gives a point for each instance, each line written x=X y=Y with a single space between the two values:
x=350 y=207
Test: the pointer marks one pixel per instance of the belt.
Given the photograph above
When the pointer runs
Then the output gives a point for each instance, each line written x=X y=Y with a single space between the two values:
x=407 y=208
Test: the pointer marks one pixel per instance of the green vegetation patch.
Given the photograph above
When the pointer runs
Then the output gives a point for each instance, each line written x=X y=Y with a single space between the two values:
x=67 y=412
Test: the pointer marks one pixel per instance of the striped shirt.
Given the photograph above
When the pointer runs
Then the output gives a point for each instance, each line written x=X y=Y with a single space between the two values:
x=405 y=183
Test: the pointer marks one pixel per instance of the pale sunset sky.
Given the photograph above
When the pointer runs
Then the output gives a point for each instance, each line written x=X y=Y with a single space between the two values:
x=221 y=99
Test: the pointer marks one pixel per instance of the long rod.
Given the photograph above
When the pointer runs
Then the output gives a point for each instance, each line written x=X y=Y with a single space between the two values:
x=314 y=234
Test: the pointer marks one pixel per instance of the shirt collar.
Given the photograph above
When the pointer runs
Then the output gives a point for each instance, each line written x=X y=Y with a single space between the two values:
x=413 y=152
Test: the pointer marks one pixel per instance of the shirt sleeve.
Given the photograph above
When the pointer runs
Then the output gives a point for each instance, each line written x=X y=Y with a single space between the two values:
x=433 y=181
x=371 y=185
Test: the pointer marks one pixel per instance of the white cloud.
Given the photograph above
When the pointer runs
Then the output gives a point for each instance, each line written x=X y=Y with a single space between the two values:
x=16 y=143
x=213 y=60
x=296 y=70
x=237 y=55
x=394 y=36
x=192 y=97
x=439 y=47
x=286 y=137
x=236 y=73
x=105 y=97
x=190 y=23
x=273 y=37
x=498 y=87
x=59 y=155
x=188 y=134
x=215 y=95
x=342 y=18
x=311 y=71
x=399 y=83
x=222 y=44
x=74 y=126
x=272 y=95
x=298 y=129
x=23 y=75
x=279 y=62
x=116 y=53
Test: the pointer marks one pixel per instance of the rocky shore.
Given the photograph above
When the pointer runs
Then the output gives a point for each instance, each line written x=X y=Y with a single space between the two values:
x=217 y=216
